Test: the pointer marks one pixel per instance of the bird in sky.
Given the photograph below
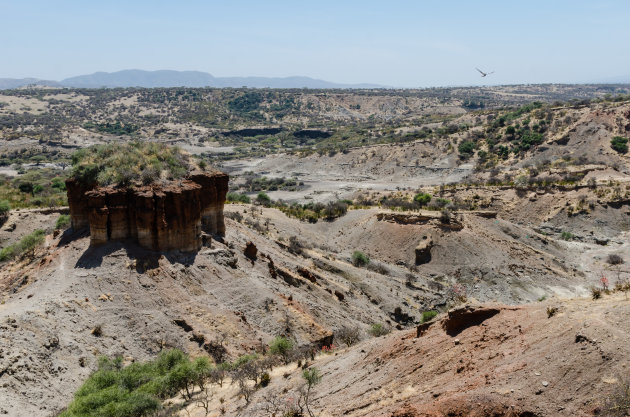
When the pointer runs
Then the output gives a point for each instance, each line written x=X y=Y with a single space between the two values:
x=484 y=74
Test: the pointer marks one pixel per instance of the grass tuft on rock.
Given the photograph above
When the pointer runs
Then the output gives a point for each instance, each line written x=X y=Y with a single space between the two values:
x=127 y=164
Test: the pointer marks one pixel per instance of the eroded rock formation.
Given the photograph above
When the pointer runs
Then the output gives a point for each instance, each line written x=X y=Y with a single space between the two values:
x=160 y=217
x=423 y=250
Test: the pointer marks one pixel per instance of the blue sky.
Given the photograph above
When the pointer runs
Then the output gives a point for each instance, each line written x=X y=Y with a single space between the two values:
x=396 y=43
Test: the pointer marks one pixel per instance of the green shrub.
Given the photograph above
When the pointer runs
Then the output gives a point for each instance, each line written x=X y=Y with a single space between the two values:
x=566 y=235
x=428 y=315
x=25 y=247
x=5 y=207
x=27 y=187
x=619 y=144
x=466 y=149
x=237 y=198
x=282 y=347
x=377 y=329
x=63 y=221
x=243 y=359
x=422 y=198
x=115 y=128
x=135 y=390
x=58 y=183
x=359 y=258
x=263 y=199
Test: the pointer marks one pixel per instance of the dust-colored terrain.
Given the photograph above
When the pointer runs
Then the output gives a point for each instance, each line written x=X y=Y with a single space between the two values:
x=523 y=220
x=51 y=307
x=518 y=362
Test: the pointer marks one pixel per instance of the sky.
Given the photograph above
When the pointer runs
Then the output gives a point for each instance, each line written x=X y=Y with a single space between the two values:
x=393 y=43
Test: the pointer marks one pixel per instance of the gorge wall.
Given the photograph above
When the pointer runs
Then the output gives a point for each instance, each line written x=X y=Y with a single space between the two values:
x=160 y=217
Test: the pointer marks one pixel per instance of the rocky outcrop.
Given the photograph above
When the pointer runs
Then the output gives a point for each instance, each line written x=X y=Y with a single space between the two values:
x=77 y=201
x=423 y=250
x=251 y=251
x=160 y=217
x=464 y=317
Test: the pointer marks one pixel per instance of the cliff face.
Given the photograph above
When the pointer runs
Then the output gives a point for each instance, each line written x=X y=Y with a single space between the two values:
x=159 y=217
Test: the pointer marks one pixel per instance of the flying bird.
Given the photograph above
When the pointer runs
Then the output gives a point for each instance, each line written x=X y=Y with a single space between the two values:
x=484 y=74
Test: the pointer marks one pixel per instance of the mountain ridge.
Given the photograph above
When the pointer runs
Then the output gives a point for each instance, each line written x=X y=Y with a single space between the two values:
x=172 y=78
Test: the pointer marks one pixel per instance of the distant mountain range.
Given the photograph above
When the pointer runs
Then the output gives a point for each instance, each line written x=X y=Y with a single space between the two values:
x=167 y=78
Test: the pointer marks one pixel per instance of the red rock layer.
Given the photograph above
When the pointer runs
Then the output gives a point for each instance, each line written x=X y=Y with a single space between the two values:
x=160 y=217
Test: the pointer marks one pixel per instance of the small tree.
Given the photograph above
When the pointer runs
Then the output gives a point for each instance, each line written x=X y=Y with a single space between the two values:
x=466 y=149
x=263 y=199
x=312 y=378
x=282 y=347
x=202 y=371
x=422 y=199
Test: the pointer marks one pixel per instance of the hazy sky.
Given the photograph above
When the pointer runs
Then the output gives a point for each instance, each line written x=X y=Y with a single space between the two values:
x=397 y=43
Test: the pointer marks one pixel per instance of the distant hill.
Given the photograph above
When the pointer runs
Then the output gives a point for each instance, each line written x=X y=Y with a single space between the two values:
x=168 y=78
x=10 y=83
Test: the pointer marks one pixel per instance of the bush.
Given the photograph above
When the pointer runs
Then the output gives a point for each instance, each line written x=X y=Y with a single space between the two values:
x=58 y=183
x=125 y=164
x=237 y=198
x=422 y=198
x=25 y=247
x=566 y=236
x=466 y=149
x=135 y=390
x=282 y=347
x=428 y=315
x=359 y=258
x=335 y=209
x=62 y=222
x=263 y=199
x=619 y=144
x=4 y=207
x=439 y=203
x=379 y=268
x=596 y=293
x=614 y=259
x=348 y=335
x=378 y=329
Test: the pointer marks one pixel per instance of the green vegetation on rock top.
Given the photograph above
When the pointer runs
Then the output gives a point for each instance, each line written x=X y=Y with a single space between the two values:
x=125 y=164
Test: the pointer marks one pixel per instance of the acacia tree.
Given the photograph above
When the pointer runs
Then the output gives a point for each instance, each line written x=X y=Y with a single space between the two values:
x=312 y=378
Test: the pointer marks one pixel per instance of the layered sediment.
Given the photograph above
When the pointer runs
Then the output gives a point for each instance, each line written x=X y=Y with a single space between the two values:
x=161 y=217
